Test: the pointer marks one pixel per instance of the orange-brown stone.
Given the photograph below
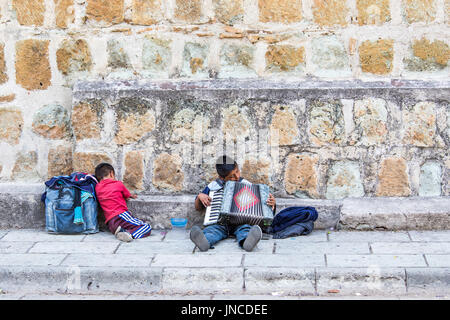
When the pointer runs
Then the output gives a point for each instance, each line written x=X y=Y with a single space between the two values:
x=393 y=178
x=29 y=12
x=32 y=64
x=284 y=11
x=377 y=57
x=301 y=174
x=330 y=12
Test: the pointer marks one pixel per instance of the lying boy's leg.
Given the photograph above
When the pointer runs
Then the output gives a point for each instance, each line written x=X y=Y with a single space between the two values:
x=135 y=227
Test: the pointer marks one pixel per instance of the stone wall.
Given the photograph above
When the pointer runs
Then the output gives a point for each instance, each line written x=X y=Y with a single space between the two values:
x=330 y=143
x=304 y=139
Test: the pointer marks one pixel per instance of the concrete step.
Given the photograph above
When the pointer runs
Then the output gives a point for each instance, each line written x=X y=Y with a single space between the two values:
x=20 y=207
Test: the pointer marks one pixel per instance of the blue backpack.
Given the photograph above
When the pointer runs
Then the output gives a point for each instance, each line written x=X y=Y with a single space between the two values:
x=70 y=204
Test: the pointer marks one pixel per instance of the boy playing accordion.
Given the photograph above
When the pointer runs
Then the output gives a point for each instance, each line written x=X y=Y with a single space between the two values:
x=246 y=235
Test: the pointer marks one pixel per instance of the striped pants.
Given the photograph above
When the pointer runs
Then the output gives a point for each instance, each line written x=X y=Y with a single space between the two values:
x=137 y=228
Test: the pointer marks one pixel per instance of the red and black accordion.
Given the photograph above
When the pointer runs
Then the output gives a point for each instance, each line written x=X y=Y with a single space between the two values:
x=239 y=203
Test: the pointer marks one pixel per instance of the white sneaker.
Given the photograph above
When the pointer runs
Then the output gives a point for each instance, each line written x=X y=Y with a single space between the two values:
x=123 y=235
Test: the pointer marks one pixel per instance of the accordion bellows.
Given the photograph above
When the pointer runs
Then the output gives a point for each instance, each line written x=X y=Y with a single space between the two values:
x=240 y=203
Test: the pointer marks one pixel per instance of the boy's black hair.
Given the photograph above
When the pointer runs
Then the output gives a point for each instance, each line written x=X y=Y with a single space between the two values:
x=224 y=165
x=102 y=170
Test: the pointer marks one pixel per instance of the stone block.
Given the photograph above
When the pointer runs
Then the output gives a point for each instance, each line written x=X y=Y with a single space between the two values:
x=430 y=179
x=102 y=259
x=375 y=260
x=11 y=125
x=395 y=214
x=236 y=124
x=73 y=56
x=373 y=281
x=429 y=281
x=285 y=58
x=284 y=11
x=283 y=126
x=20 y=259
x=188 y=11
x=195 y=60
x=344 y=180
x=52 y=122
x=393 y=178
x=86 y=162
x=439 y=260
x=117 y=55
x=202 y=280
x=87 y=119
x=300 y=177
x=285 y=280
x=25 y=167
x=376 y=57
x=147 y=12
x=326 y=122
x=64 y=13
x=370 y=116
x=256 y=170
x=68 y=247
x=156 y=54
x=29 y=12
x=135 y=119
x=60 y=161
x=419 y=123
x=374 y=12
x=236 y=60
x=329 y=53
x=21 y=209
x=168 y=172
x=32 y=64
x=108 y=12
x=419 y=10
x=330 y=13
x=427 y=56
x=229 y=11
x=3 y=74
x=134 y=170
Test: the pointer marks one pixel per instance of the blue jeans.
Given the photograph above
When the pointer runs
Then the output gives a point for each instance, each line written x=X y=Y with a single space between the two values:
x=216 y=232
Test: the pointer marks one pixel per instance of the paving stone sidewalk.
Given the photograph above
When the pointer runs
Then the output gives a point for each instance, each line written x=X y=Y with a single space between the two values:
x=321 y=264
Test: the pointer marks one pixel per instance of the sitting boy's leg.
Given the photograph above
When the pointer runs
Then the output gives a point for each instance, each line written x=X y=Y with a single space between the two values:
x=248 y=236
x=206 y=238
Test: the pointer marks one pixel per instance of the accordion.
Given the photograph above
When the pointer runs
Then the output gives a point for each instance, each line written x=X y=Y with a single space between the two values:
x=239 y=203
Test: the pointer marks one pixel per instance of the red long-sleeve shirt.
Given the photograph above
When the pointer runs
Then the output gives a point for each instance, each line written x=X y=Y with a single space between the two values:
x=112 y=196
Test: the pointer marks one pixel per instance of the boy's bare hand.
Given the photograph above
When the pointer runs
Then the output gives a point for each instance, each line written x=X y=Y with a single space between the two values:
x=271 y=201
x=204 y=199
x=133 y=196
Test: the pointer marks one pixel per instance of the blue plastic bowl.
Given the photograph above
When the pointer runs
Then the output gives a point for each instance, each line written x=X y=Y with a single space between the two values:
x=178 y=222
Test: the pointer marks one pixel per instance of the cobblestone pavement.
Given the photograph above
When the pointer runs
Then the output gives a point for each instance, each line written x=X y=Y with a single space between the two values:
x=322 y=265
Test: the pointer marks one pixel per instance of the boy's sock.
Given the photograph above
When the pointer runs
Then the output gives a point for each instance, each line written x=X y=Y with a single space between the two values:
x=253 y=237
x=198 y=237
x=123 y=235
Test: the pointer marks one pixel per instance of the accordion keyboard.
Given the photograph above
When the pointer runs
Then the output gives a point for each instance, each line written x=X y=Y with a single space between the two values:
x=213 y=211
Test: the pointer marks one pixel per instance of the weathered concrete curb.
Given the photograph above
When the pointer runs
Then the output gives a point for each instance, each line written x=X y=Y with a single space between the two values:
x=20 y=207
x=236 y=280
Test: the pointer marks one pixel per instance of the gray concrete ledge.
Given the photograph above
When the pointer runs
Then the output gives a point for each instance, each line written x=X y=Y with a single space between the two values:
x=20 y=207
